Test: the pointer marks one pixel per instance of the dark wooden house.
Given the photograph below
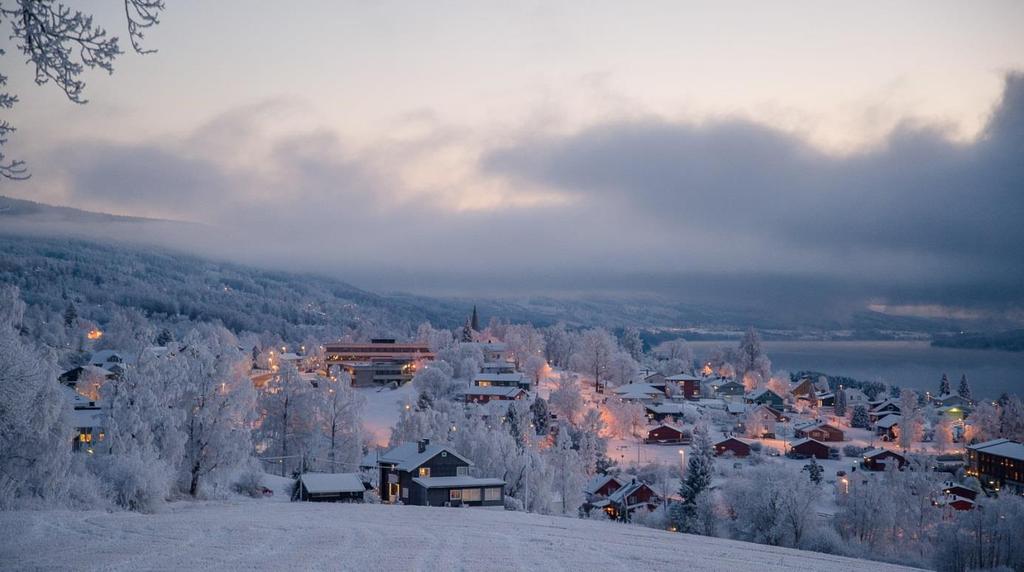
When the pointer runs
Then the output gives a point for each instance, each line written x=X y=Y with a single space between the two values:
x=880 y=459
x=666 y=434
x=601 y=486
x=630 y=497
x=807 y=448
x=824 y=432
x=434 y=475
x=767 y=397
x=730 y=388
x=688 y=384
x=734 y=446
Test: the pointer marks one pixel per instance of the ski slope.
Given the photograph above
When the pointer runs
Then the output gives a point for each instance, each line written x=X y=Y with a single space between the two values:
x=245 y=534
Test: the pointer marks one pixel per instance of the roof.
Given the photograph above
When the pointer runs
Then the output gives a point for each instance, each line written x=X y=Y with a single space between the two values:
x=513 y=377
x=1002 y=447
x=599 y=481
x=103 y=356
x=682 y=377
x=493 y=391
x=806 y=440
x=637 y=388
x=727 y=439
x=625 y=490
x=888 y=421
x=667 y=426
x=671 y=408
x=87 y=418
x=877 y=452
x=317 y=483
x=884 y=404
x=408 y=458
x=759 y=392
x=449 y=482
x=735 y=407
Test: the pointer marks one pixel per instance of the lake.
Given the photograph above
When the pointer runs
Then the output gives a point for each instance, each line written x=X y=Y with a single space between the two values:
x=916 y=365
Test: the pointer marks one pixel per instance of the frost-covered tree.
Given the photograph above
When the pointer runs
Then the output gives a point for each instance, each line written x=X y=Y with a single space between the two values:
x=860 y=419
x=965 y=388
x=35 y=453
x=587 y=439
x=1011 y=419
x=568 y=473
x=944 y=434
x=595 y=353
x=218 y=399
x=768 y=506
x=523 y=341
x=632 y=343
x=911 y=427
x=534 y=369
x=341 y=424
x=944 y=388
x=434 y=382
x=675 y=350
x=752 y=364
x=984 y=423
x=286 y=417
x=565 y=399
x=622 y=369
x=627 y=418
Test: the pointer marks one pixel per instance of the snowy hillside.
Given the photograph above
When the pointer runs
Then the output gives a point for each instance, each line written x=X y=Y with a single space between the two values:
x=268 y=535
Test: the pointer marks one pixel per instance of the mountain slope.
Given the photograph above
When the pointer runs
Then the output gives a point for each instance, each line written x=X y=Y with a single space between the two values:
x=266 y=535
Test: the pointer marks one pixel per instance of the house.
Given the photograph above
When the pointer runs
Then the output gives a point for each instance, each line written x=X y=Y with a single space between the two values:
x=382 y=361
x=494 y=351
x=765 y=396
x=879 y=459
x=952 y=400
x=826 y=399
x=688 y=384
x=498 y=367
x=108 y=360
x=663 y=411
x=953 y=488
x=330 y=487
x=807 y=448
x=643 y=392
x=434 y=475
x=501 y=380
x=804 y=388
x=631 y=496
x=665 y=434
x=601 y=486
x=731 y=388
x=820 y=432
x=86 y=379
x=760 y=422
x=997 y=463
x=951 y=411
x=655 y=378
x=954 y=502
x=855 y=397
x=486 y=394
x=887 y=426
x=735 y=408
x=882 y=408
x=732 y=445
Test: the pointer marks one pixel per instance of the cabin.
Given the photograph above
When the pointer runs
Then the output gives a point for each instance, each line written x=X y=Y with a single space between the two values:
x=765 y=396
x=688 y=384
x=501 y=380
x=434 y=475
x=487 y=394
x=734 y=446
x=887 y=426
x=731 y=388
x=808 y=448
x=330 y=487
x=666 y=434
x=879 y=459
x=820 y=432
x=631 y=496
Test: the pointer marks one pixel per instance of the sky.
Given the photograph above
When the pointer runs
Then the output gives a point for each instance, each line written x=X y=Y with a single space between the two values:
x=864 y=155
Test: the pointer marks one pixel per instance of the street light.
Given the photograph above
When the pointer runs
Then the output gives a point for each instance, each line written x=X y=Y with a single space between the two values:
x=682 y=459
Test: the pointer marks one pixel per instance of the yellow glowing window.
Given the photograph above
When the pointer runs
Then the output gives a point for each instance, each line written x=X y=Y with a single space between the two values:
x=424 y=471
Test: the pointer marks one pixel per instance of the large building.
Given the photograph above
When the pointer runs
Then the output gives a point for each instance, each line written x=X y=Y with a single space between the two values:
x=378 y=362
x=997 y=463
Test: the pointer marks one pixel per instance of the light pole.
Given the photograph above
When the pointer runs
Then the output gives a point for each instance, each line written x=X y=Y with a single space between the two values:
x=682 y=459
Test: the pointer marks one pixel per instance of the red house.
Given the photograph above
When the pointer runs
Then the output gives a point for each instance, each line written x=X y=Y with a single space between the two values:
x=666 y=434
x=807 y=448
x=879 y=459
x=633 y=495
x=738 y=447
x=603 y=485
x=820 y=432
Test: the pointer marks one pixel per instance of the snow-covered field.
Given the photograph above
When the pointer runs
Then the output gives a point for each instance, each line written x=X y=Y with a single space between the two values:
x=244 y=534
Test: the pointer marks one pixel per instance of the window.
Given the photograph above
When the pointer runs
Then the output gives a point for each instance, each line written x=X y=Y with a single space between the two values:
x=405 y=492
x=424 y=471
x=471 y=495
x=492 y=494
x=461 y=471
x=455 y=494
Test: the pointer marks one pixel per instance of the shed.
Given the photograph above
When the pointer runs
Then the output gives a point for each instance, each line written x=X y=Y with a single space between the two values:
x=330 y=487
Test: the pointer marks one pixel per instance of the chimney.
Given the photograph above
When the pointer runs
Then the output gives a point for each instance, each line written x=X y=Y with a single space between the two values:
x=422 y=445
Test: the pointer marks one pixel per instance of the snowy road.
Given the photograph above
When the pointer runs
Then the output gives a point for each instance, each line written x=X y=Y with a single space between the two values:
x=262 y=535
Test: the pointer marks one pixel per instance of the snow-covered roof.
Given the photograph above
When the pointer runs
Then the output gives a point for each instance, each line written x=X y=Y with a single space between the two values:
x=669 y=408
x=877 y=452
x=493 y=391
x=623 y=492
x=87 y=418
x=667 y=426
x=500 y=377
x=805 y=440
x=759 y=392
x=408 y=458
x=599 y=481
x=638 y=388
x=317 y=483
x=888 y=421
x=107 y=356
x=735 y=407
x=1002 y=447
x=682 y=377
x=449 y=482
x=885 y=403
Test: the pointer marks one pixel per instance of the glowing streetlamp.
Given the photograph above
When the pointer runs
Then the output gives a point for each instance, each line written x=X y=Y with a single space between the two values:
x=682 y=459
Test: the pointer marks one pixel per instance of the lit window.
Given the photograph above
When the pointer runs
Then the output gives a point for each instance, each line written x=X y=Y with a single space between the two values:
x=455 y=494
x=471 y=495
x=424 y=471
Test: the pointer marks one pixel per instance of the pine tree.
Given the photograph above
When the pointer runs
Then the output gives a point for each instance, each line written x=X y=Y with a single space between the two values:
x=944 y=388
x=965 y=388
x=474 y=320
x=699 y=470
x=164 y=338
x=467 y=332
x=840 y=408
x=860 y=418
x=814 y=470
x=70 y=315
x=540 y=415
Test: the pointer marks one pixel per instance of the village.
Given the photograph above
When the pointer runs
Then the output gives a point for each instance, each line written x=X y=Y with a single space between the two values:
x=601 y=433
